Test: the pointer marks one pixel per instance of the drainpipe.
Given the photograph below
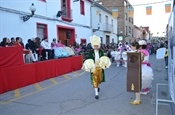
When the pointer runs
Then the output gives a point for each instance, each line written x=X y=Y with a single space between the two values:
x=92 y=5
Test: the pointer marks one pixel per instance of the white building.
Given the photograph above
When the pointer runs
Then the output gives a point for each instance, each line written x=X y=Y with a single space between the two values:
x=104 y=24
x=73 y=25
x=152 y=14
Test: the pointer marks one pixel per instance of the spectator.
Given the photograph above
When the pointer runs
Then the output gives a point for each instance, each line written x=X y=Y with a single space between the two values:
x=12 y=41
x=4 y=42
x=59 y=44
x=78 y=50
x=46 y=48
x=19 y=42
x=54 y=43
x=31 y=46
x=37 y=42
x=166 y=54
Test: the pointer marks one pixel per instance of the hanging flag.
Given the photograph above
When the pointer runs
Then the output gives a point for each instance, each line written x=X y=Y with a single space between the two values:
x=149 y=10
x=167 y=8
x=130 y=12
x=115 y=13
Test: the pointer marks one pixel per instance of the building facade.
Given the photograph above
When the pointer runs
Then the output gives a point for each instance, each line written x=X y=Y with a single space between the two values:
x=125 y=22
x=66 y=20
x=104 y=24
x=137 y=31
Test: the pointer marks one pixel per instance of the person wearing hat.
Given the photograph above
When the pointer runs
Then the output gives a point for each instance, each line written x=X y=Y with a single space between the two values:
x=147 y=72
x=98 y=75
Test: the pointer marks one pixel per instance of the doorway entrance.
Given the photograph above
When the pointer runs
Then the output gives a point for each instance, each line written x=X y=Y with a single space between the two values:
x=66 y=35
x=107 y=39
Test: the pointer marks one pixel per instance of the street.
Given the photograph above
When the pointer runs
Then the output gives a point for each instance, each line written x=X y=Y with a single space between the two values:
x=73 y=94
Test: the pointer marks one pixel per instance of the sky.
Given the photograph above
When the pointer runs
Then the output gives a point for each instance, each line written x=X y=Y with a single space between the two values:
x=157 y=21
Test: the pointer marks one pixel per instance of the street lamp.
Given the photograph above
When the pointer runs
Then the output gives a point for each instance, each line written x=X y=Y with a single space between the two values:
x=98 y=28
x=27 y=17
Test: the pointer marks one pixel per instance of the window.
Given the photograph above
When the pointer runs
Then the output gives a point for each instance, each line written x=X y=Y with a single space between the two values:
x=66 y=10
x=167 y=8
x=106 y=19
x=126 y=30
x=149 y=10
x=129 y=19
x=82 y=7
x=126 y=16
x=112 y=23
x=100 y=18
x=129 y=30
x=63 y=3
x=132 y=32
x=83 y=41
x=41 y=30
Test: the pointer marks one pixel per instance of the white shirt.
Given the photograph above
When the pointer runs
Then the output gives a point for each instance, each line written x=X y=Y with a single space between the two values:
x=96 y=55
x=45 y=45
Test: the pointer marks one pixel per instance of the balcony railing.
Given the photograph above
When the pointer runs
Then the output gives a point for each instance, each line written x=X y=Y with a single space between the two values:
x=107 y=27
x=67 y=14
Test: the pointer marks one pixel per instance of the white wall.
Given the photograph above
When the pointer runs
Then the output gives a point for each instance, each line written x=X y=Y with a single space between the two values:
x=157 y=21
x=12 y=25
x=95 y=18
x=77 y=16
x=95 y=22
x=84 y=33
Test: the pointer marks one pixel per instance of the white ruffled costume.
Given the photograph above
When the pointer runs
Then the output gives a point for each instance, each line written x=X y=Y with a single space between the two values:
x=89 y=65
x=147 y=72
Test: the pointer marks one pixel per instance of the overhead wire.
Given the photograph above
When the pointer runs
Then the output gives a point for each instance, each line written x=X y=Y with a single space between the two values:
x=137 y=4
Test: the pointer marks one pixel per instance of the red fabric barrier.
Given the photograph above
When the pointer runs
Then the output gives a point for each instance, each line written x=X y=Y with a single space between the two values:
x=11 y=56
x=45 y=70
x=17 y=76
x=63 y=66
x=77 y=62
x=1 y=82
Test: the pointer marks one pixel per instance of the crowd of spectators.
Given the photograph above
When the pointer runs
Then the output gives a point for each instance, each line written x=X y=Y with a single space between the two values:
x=41 y=49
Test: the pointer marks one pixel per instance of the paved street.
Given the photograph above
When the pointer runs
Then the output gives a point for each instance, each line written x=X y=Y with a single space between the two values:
x=72 y=94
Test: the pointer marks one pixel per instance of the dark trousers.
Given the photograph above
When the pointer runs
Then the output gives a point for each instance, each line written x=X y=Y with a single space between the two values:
x=166 y=61
x=50 y=54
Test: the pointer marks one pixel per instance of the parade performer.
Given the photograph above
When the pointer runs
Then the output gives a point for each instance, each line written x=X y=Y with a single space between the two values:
x=147 y=72
x=97 y=66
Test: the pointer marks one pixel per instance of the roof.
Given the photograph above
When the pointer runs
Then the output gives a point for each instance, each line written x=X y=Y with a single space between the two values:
x=100 y=6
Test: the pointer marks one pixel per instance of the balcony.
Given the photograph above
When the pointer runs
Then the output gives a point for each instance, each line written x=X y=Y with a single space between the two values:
x=66 y=14
x=106 y=27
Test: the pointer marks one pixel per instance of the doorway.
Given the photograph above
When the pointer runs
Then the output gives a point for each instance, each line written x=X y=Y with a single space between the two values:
x=107 y=39
x=66 y=35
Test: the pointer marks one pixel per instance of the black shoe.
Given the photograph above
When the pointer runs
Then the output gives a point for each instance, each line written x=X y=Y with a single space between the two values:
x=96 y=97
x=98 y=89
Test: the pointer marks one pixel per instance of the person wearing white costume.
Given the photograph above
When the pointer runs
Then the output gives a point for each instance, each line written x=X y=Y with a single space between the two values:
x=147 y=72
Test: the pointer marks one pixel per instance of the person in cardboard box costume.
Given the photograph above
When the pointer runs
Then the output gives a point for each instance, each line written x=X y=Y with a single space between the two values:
x=96 y=63
x=146 y=70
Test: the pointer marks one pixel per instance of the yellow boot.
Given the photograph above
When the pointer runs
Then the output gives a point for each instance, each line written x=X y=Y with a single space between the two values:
x=136 y=102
